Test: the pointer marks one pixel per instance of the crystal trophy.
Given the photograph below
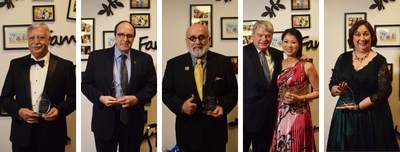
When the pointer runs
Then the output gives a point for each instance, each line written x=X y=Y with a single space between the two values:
x=347 y=98
x=210 y=102
x=44 y=104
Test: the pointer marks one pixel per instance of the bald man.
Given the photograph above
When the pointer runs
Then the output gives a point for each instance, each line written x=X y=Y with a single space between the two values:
x=199 y=129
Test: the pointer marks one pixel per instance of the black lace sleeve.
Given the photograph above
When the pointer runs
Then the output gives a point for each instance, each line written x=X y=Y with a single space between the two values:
x=335 y=72
x=384 y=84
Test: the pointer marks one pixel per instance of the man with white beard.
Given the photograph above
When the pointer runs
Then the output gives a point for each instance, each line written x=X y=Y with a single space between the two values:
x=200 y=88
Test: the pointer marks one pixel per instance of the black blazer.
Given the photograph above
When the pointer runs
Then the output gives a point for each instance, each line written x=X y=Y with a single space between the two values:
x=98 y=79
x=260 y=100
x=59 y=87
x=179 y=84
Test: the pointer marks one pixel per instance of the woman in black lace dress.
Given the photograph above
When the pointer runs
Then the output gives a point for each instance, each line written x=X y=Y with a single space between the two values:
x=367 y=125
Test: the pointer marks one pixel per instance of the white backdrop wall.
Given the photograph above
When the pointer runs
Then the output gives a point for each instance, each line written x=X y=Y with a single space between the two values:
x=22 y=14
x=90 y=8
x=334 y=46
x=252 y=10
x=175 y=22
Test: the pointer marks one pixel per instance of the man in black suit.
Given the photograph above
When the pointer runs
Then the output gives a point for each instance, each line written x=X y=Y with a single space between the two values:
x=260 y=90
x=39 y=75
x=189 y=81
x=119 y=81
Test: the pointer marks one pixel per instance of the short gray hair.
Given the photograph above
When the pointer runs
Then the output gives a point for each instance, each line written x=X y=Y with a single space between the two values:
x=267 y=25
x=37 y=25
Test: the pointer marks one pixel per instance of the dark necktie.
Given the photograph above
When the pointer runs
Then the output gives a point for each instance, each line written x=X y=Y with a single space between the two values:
x=265 y=67
x=124 y=84
x=33 y=62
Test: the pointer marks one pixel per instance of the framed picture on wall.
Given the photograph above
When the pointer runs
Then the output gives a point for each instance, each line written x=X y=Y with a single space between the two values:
x=300 y=5
x=108 y=39
x=71 y=14
x=388 y=35
x=140 y=3
x=43 y=13
x=349 y=20
x=140 y=20
x=229 y=28
x=276 y=40
x=87 y=36
x=15 y=37
x=234 y=61
x=202 y=14
x=301 y=21
x=390 y=69
x=247 y=31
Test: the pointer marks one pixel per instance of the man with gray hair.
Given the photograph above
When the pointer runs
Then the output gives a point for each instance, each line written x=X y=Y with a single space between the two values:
x=262 y=65
x=39 y=93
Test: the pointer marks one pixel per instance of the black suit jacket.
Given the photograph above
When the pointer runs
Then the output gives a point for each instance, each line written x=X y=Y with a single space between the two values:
x=59 y=87
x=97 y=81
x=179 y=84
x=260 y=100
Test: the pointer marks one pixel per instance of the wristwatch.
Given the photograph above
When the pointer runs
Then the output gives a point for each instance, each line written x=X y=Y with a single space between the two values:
x=358 y=107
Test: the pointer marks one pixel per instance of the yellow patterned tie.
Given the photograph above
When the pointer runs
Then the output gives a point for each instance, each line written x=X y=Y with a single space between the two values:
x=198 y=76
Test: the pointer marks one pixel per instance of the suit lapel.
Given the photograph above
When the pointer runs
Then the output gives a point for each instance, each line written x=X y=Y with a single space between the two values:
x=109 y=65
x=50 y=71
x=188 y=69
x=25 y=73
x=134 y=70
x=212 y=68
x=255 y=59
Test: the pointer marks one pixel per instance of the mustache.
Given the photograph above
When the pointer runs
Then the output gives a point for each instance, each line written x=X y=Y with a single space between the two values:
x=36 y=45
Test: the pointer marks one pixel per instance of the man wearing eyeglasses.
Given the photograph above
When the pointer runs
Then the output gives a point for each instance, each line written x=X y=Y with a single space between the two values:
x=39 y=126
x=192 y=81
x=119 y=81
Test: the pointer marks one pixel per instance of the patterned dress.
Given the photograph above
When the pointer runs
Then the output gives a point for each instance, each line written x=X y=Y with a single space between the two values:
x=293 y=130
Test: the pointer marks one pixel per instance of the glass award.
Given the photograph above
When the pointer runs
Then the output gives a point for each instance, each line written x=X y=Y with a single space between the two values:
x=347 y=98
x=44 y=104
x=210 y=102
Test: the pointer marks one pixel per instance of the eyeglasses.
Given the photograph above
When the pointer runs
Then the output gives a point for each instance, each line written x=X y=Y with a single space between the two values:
x=201 y=38
x=122 y=35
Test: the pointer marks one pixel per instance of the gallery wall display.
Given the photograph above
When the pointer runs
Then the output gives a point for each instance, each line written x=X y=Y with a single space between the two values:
x=349 y=20
x=71 y=14
x=202 y=14
x=15 y=37
x=43 y=13
x=229 y=28
x=388 y=35
x=140 y=20
x=277 y=40
x=301 y=21
x=247 y=31
x=135 y=4
x=234 y=62
x=87 y=37
x=300 y=5
x=108 y=39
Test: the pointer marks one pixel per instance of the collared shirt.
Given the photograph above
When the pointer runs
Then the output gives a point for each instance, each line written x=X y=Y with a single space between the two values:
x=37 y=79
x=204 y=61
x=269 y=61
x=117 y=69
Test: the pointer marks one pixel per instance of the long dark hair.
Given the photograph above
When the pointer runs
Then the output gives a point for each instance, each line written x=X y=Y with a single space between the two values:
x=354 y=28
x=299 y=38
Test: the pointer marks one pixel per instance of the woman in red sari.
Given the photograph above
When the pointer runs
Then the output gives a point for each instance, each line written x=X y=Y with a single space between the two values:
x=294 y=131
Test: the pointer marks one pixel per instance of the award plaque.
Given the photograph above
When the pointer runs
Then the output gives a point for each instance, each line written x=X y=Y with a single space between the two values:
x=347 y=98
x=44 y=104
x=210 y=103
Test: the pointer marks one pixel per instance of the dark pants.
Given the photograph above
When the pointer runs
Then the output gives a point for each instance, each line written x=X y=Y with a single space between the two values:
x=260 y=141
x=126 y=143
x=36 y=145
